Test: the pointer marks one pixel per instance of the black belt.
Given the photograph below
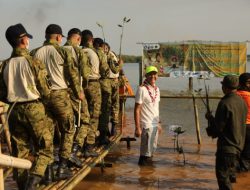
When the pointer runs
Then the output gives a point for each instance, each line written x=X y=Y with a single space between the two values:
x=26 y=102
x=65 y=89
x=93 y=80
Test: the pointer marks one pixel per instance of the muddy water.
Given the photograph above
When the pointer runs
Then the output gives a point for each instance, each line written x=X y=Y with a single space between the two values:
x=169 y=171
x=194 y=169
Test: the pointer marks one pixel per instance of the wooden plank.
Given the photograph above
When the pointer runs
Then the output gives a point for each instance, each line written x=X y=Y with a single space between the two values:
x=88 y=164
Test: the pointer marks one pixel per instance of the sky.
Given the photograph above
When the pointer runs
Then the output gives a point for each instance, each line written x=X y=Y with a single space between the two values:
x=151 y=20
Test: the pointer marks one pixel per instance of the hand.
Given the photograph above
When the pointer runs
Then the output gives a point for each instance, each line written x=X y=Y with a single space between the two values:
x=138 y=131
x=81 y=96
x=120 y=62
x=208 y=115
x=159 y=128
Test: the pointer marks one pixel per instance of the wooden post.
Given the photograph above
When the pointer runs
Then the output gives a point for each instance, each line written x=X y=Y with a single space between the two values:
x=6 y=132
x=197 y=124
x=3 y=111
x=1 y=173
x=190 y=84
x=10 y=161
x=122 y=112
x=140 y=73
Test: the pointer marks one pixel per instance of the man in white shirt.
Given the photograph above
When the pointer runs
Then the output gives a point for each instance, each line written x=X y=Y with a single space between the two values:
x=146 y=114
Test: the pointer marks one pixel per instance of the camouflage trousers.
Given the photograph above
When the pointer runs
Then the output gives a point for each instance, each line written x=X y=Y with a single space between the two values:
x=82 y=130
x=31 y=132
x=61 y=108
x=93 y=96
x=105 y=106
x=115 y=105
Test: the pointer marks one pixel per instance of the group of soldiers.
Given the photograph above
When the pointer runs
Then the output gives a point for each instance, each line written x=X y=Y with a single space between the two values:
x=59 y=87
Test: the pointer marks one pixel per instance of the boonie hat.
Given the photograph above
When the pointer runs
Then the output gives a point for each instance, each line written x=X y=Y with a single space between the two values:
x=230 y=81
x=74 y=31
x=54 y=29
x=150 y=69
x=16 y=31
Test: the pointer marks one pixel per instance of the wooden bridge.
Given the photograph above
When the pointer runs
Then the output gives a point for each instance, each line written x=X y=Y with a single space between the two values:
x=8 y=162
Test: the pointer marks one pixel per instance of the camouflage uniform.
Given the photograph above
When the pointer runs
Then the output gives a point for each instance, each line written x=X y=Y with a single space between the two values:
x=106 y=88
x=81 y=62
x=112 y=59
x=92 y=92
x=56 y=57
x=28 y=120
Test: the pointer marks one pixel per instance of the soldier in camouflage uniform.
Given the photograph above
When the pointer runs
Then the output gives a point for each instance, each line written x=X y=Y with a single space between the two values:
x=81 y=62
x=105 y=89
x=113 y=59
x=23 y=79
x=62 y=72
x=92 y=87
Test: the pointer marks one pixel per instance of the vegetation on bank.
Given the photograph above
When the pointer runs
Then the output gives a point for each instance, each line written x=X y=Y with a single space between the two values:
x=131 y=59
x=248 y=58
x=138 y=59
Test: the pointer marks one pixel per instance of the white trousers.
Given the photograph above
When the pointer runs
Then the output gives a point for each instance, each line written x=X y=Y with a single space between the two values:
x=149 y=140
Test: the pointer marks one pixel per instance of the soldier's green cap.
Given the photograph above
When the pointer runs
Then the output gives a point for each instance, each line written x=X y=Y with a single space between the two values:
x=230 y=81
x=16 y=31
x=150 y=69
x=54 y=29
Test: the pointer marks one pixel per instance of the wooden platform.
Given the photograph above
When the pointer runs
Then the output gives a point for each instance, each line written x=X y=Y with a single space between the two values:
x=80 y=173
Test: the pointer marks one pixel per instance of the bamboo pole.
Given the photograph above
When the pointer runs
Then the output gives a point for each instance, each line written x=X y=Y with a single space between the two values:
x=197 y=124
x=3 y=111
x=9 y=161
x=7 y=172
x=6 y=132
x=122 y=113
x=71 y=183
x=1 y=173
x=165 y=95
x=190 y=84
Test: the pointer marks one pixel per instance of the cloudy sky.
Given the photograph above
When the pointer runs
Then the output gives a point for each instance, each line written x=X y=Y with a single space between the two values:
x=151 y=20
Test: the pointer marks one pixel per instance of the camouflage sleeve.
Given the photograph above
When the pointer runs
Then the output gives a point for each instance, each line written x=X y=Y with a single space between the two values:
x=113 y=65
x=84 y=65
x=71 y=73
x=41 y=77
x=104 y=67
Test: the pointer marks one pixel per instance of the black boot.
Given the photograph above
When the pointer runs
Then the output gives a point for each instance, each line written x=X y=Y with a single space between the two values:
x=63 y=172
x=33 y=182
x=74 y=160
x=145 y=161
x=89 y=151
x=76 y=147
x=113 y=131
x=49 y=175
x=232 y=178
x=103 y=139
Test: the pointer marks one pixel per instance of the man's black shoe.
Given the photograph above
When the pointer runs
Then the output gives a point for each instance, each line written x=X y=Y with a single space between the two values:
x=89 y=151
x=63 y=172
x=75 y=161
x=49 y=175
x=33 y=182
